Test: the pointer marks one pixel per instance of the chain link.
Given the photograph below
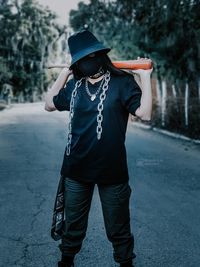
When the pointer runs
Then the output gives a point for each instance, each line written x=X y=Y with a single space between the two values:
x=71 y=115
x=99 y=108
x=100 y=105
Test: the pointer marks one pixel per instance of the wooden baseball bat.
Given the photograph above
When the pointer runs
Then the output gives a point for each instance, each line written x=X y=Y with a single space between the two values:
x=144 y=64
x=136 y=64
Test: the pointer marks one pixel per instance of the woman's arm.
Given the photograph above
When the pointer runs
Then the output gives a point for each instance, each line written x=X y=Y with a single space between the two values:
x=143 y=79
x=54 y=90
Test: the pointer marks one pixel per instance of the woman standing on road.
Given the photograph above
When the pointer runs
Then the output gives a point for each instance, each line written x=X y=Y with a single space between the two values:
x=99 y=98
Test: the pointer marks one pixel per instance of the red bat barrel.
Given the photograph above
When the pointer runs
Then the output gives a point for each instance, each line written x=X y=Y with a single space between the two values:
x=144 y=64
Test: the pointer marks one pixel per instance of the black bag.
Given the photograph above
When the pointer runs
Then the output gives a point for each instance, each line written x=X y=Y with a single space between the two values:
x=58 y=212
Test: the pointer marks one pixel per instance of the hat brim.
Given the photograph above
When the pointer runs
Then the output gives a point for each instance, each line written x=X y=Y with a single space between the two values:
x=87 y=51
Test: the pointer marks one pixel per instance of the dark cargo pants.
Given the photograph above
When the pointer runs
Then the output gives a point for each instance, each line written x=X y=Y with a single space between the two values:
x=115 y=206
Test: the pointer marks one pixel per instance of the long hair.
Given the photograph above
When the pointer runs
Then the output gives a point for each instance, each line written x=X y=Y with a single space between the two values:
x=106 y=64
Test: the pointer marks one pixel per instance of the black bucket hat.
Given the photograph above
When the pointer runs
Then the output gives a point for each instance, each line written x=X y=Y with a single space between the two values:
x=82 y=44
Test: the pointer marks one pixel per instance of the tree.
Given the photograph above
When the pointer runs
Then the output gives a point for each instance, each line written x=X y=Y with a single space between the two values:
x=161 y=29
x=27 y=32
x=166 y=31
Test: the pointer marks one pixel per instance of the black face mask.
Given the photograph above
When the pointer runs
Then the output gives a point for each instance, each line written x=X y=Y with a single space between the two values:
x=89 y=66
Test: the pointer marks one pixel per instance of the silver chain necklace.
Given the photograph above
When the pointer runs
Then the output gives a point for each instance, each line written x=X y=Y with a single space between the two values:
x=100 y=105
x=99 y=108
x=93 y=96
x=71 y=114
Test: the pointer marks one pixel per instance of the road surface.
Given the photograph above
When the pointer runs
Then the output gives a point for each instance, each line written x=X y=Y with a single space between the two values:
x=164 y=177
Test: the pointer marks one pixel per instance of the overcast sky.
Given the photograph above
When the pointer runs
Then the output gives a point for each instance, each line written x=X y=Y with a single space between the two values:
x=62 y=7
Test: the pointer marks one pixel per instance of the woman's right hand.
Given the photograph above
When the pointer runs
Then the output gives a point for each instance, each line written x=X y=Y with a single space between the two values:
x=67 y=71
x=54 y=90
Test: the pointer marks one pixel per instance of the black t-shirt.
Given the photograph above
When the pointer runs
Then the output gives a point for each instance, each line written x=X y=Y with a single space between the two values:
x=90 y=159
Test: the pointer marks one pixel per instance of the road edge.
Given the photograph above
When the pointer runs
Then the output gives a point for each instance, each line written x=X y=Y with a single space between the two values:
x=165 y=132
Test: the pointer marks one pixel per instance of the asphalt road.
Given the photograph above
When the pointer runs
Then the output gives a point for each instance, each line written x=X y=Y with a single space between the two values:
x=165 y=201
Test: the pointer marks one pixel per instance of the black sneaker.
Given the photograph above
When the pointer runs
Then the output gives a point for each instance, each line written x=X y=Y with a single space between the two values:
x=66 y=261
x=127 y=264
x=64 y=264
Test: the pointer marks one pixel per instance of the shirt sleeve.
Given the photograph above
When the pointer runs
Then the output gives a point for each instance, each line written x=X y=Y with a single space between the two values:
x=131 y=95
x=62 y=99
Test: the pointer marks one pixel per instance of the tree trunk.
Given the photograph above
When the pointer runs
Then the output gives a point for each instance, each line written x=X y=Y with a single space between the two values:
x=158 y=92
x=186 y=103
x=174 y=93
x=163 y=106
x=34 y=95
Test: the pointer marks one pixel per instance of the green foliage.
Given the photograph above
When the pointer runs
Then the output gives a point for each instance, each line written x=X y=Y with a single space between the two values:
x=165 y=30
x=27 y=31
